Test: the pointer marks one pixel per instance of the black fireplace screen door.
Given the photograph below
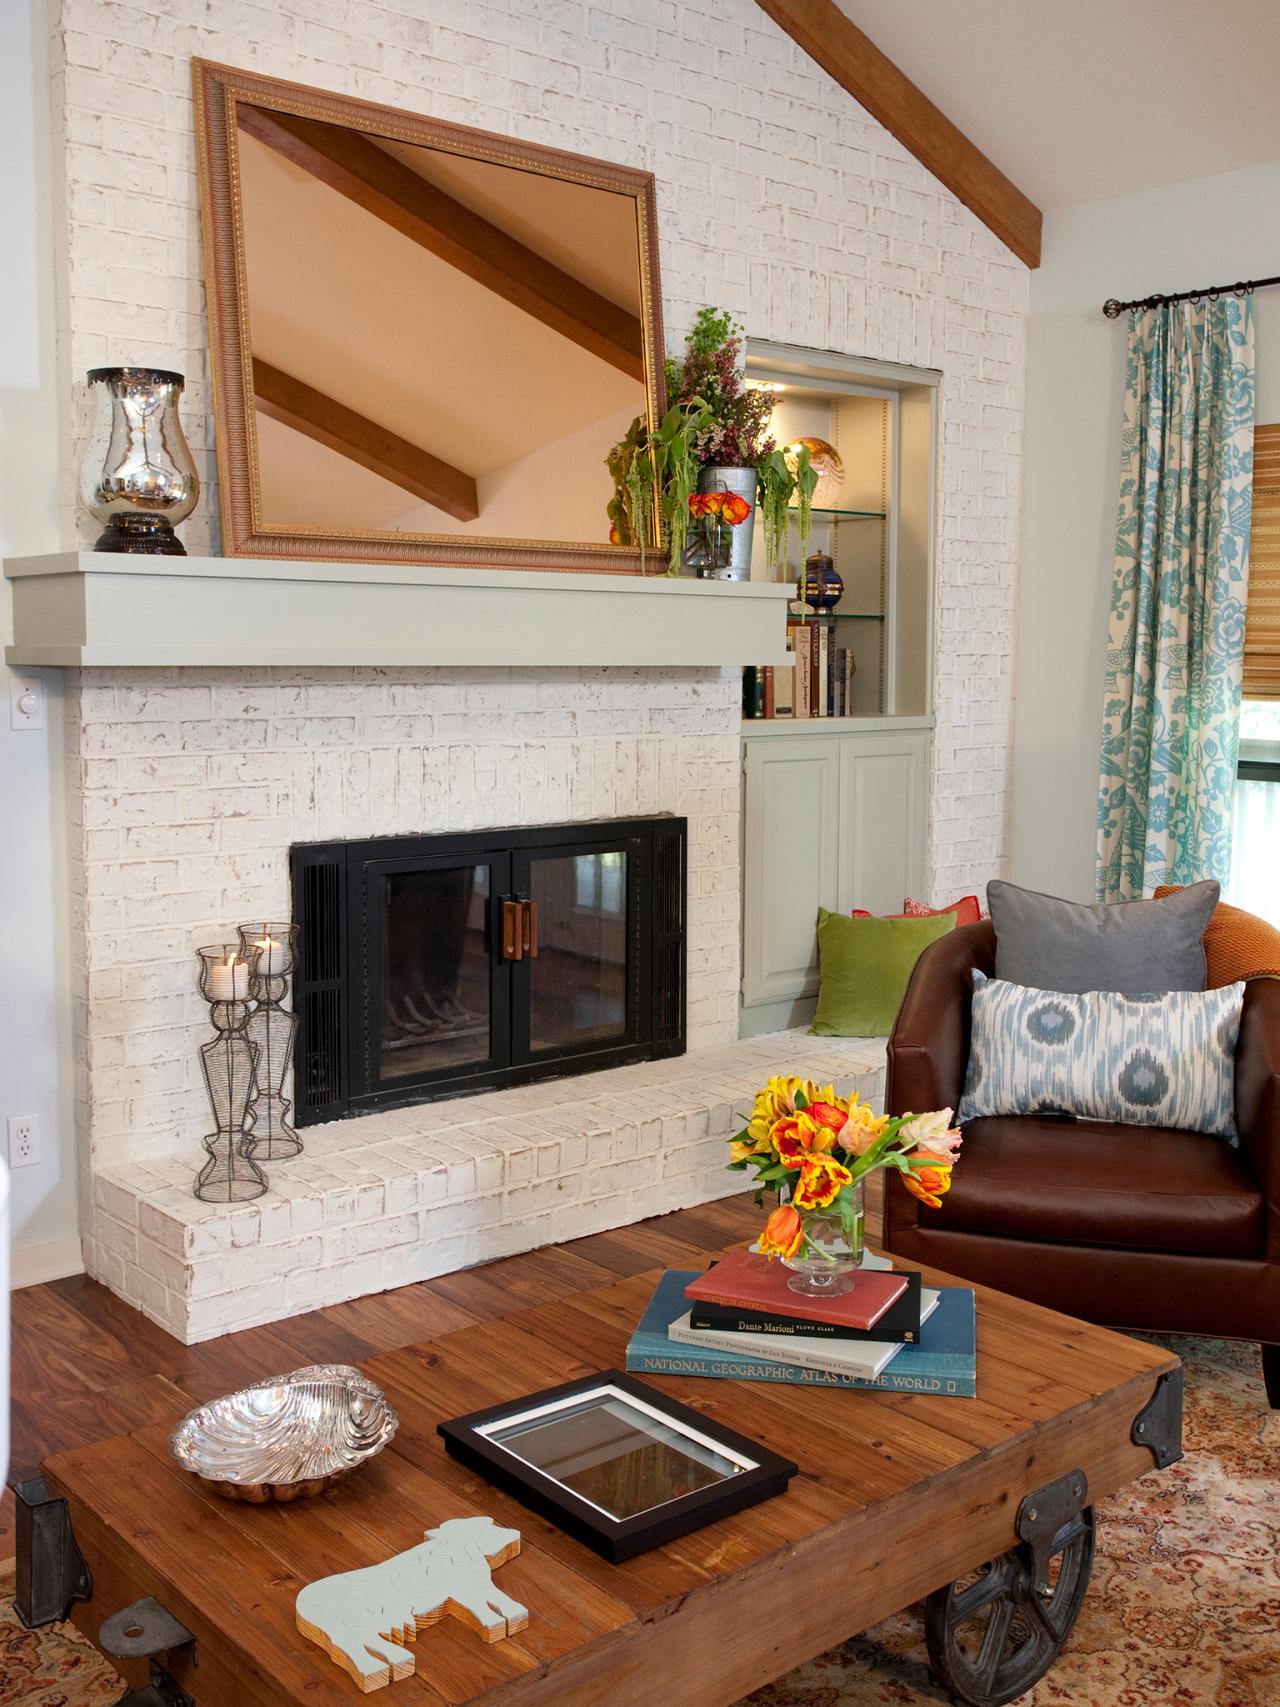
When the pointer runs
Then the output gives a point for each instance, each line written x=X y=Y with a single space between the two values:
x=436 y=965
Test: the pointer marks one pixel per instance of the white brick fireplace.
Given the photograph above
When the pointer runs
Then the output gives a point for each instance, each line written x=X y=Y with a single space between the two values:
x=189 y=788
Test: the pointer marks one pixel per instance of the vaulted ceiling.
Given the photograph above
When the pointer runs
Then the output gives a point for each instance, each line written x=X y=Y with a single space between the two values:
x=1078 y=100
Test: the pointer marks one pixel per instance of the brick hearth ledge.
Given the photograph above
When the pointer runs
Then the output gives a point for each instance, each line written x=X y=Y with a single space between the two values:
x=395 y=1197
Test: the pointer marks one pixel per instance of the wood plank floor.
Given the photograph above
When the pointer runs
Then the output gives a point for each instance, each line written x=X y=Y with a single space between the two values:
x=85 y=1365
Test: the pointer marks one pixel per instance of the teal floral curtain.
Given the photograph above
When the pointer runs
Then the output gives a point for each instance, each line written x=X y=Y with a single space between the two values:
x=1171 y=707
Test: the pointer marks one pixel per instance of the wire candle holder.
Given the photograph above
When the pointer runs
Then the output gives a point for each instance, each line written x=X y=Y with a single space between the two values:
x=271 y=950
x=229 y=1062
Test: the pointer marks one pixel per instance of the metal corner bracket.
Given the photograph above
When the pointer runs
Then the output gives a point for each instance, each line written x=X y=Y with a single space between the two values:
x=51 y=1571
x=139 y=1632
x=1158 y=1425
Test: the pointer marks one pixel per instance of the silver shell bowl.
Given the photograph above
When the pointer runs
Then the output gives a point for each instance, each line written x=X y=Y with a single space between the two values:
x=286 y=1437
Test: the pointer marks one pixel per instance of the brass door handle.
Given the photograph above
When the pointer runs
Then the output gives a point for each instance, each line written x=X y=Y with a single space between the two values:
x=529 y=910
x=512 y=930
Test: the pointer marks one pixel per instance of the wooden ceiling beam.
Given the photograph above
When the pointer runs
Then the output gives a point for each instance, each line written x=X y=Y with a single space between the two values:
x=361 y=440
x=857 y=64
x=354 y=165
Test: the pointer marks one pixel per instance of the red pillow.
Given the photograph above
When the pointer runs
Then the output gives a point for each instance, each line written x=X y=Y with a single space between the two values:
x=967 y=909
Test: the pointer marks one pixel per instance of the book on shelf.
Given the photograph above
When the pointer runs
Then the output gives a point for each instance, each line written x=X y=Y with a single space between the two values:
x=757 y=1283
x=944 y=1363
x=817 y=683
x=868 y=1357
x=900 y=1322
x=784 y=690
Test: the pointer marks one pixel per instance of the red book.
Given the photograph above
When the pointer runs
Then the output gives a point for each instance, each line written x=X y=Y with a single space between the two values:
x=752 y=1282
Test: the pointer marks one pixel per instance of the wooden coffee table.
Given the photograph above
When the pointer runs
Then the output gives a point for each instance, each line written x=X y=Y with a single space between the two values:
x=898 y=1497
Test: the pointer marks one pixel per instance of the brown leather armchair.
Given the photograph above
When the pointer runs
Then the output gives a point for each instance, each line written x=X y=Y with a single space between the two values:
x=1131 y=1227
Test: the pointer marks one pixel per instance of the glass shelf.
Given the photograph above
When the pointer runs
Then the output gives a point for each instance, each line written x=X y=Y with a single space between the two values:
x=863 y=515
x=836 y=615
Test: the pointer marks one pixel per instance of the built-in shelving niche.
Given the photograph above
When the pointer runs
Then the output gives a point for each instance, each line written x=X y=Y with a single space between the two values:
x=878 y=529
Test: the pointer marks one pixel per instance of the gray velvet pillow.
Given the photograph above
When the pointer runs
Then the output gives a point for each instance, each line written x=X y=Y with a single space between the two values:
x=1138 y=948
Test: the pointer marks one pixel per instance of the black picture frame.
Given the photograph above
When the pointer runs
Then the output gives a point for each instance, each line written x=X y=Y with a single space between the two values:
x=617 y=1539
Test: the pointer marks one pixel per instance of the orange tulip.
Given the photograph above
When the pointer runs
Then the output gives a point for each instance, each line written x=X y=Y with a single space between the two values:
x=827 y=1114
x=930 y=1178
x=821 y=1180
x=783 y=1233
x=796 y=1136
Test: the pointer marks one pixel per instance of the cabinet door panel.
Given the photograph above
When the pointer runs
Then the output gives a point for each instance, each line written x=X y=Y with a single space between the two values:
x=882 y=828
x=790 y=858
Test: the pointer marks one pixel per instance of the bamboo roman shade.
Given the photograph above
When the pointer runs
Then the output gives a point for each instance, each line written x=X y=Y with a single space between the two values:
x=1262 y=617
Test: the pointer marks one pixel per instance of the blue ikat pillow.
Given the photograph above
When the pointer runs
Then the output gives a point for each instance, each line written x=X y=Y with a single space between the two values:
x=1140 y=1060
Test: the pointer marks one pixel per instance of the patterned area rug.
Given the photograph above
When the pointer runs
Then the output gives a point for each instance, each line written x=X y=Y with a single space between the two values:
x=1183 y=1610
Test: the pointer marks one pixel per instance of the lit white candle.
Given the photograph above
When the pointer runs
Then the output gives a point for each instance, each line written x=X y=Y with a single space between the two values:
x=273 y=956
x=229 y=983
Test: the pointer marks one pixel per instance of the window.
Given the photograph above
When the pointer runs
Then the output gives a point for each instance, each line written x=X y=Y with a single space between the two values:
x=1255 y=856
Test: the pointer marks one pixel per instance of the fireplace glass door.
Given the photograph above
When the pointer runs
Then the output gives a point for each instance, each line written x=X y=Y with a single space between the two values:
x=432 y=966
x=434 y=984
x=582 y=979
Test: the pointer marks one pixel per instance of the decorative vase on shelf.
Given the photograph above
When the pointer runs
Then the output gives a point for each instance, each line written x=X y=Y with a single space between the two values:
x=742 y=483
x=828 y=1257
x=138 y=477
x=820 y=586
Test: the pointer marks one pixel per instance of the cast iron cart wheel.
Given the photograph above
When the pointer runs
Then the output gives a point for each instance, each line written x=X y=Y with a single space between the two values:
x=993 y=1634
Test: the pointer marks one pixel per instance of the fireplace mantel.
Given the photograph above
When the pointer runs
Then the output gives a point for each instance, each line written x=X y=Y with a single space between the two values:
x=75 y=608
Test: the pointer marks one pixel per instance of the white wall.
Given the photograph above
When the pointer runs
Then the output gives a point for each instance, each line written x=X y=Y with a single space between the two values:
x=1200 y=233
x=35 y=1072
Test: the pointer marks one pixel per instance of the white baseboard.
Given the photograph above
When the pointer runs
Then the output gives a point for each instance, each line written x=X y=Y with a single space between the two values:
x=35 y=1264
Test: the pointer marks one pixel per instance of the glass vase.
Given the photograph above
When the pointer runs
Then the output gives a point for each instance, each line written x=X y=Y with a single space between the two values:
x=827 y=1261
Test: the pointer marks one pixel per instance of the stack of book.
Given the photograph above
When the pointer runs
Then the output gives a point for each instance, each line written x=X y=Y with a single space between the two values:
x=818 y=684
x=741 y=1322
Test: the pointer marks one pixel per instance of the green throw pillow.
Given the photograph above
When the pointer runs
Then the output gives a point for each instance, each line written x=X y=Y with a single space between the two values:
x=864 y=965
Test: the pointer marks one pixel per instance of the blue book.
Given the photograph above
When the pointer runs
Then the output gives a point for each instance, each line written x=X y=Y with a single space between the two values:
x=944 y=1362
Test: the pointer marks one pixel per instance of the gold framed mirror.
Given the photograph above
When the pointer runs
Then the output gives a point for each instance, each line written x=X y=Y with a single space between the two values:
x=425 y=338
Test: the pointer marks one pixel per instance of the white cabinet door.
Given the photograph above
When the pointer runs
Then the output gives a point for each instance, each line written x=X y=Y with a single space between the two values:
x=790 y=863
x=883 y=804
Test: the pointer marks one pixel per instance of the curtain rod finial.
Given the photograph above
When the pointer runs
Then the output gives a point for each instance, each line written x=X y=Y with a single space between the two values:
x=1112 y=309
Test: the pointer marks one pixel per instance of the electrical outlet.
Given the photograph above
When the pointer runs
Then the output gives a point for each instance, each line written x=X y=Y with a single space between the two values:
x=24 y=1141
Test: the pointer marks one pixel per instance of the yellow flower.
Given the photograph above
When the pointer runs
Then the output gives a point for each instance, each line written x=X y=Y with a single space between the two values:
x=778 y=1098
x=821 y=1179
x=742 y=1149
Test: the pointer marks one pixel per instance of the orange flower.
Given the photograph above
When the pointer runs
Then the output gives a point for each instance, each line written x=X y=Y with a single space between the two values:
x=828 y=1114
x=796 y=1136
x=697 y=503
x=735 y=509
x=861 y=1129
x=930 y=1177
x=821 y=1179
x=783 y=1233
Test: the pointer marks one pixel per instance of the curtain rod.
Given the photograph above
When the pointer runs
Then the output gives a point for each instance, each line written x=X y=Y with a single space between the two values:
x=1243 y=287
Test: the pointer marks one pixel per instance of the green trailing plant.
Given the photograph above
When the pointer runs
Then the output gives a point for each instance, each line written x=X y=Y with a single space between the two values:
x=780 y=479
x=653 y=475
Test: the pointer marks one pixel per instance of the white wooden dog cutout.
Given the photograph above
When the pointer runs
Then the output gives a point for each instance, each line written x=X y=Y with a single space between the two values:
x=365 y=1618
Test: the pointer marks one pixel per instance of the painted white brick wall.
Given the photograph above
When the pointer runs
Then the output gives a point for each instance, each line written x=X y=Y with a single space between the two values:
x=778 y=196
x=191 y=785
